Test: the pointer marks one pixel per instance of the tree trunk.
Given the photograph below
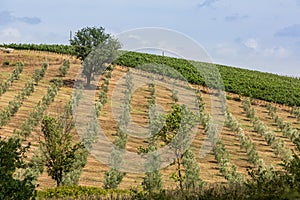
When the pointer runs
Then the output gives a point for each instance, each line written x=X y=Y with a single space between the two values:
x=179 y=174
x=88 y=80
x=59 y=178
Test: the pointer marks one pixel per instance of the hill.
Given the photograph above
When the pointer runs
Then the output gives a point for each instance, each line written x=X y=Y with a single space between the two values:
x=210 y=166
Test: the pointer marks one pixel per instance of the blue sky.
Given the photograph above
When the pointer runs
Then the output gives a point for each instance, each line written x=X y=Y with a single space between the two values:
x=262 y=35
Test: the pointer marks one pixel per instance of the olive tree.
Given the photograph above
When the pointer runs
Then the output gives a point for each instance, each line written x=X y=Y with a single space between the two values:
x=177 y=134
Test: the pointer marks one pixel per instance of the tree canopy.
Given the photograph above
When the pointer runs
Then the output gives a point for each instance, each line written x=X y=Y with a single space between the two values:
x=95 y=48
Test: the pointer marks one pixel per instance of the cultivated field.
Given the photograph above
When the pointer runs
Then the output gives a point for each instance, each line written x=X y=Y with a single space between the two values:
x=93 y=172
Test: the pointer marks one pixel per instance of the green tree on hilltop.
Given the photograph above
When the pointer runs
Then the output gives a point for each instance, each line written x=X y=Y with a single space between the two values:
x=95 y=48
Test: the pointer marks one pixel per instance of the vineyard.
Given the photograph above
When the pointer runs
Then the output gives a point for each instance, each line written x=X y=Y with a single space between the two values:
x=256 y=133
x=254 y=84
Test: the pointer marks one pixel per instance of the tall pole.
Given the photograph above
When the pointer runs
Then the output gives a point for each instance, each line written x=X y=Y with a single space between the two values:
x=163 y=54
x=291 y=91
x=70 y=36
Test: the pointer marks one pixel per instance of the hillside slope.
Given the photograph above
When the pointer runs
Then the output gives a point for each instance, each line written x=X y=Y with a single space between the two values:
x=93 y=172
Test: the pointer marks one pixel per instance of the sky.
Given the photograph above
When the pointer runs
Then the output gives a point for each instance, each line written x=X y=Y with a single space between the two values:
x=261 y=35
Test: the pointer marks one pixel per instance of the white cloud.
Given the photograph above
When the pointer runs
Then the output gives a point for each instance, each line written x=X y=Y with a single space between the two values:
x=235 y=17
x=9 y=35
x=7 y=17
x=289 y=31
x=280 y=52
x=251 y=43
x=225 y=50
x=207 y=3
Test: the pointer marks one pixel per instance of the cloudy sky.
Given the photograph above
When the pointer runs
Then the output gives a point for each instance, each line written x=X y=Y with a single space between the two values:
x=259 y=34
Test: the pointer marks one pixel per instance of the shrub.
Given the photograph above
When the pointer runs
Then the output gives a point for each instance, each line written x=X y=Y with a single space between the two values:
x=6 y=63
x=77 y=191
x=37 y=75
x=63 y=70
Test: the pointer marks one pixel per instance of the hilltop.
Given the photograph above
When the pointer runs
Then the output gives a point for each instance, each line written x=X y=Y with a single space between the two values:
x=250 y=83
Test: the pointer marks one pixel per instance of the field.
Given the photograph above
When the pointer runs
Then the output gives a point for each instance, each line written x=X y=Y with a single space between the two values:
x=93 y=172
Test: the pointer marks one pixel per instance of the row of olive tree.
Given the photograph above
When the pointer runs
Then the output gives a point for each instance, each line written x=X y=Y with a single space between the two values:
x=57 y=151
x=286 y=128
x=114 y=176
x=18 y=175
x=37 y=114
x=296 y=112
x=177 y=133
x=152 y=181
x=12 y=77
x=228 y=170
x=275 y=142
x=40 y=73
x=63 y=69
x=7 y=112
x=246 y=142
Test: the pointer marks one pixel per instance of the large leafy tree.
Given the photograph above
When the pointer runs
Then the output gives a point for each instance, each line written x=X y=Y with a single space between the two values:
x=95 y=48
x=63 y=159
x=12 y=158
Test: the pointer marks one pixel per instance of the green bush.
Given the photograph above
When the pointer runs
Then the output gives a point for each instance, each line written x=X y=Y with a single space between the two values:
x=12 y=158
x=6 y=63
x=77 y=191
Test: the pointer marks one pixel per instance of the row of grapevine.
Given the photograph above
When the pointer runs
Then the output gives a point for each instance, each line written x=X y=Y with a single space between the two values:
x=14 y=105
x=286 y=128
x=113 y=177
x=264 y=86
x=55 y=48
x=12 y=77
x=228 y=170
x=37 y=114
x=276 y=143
